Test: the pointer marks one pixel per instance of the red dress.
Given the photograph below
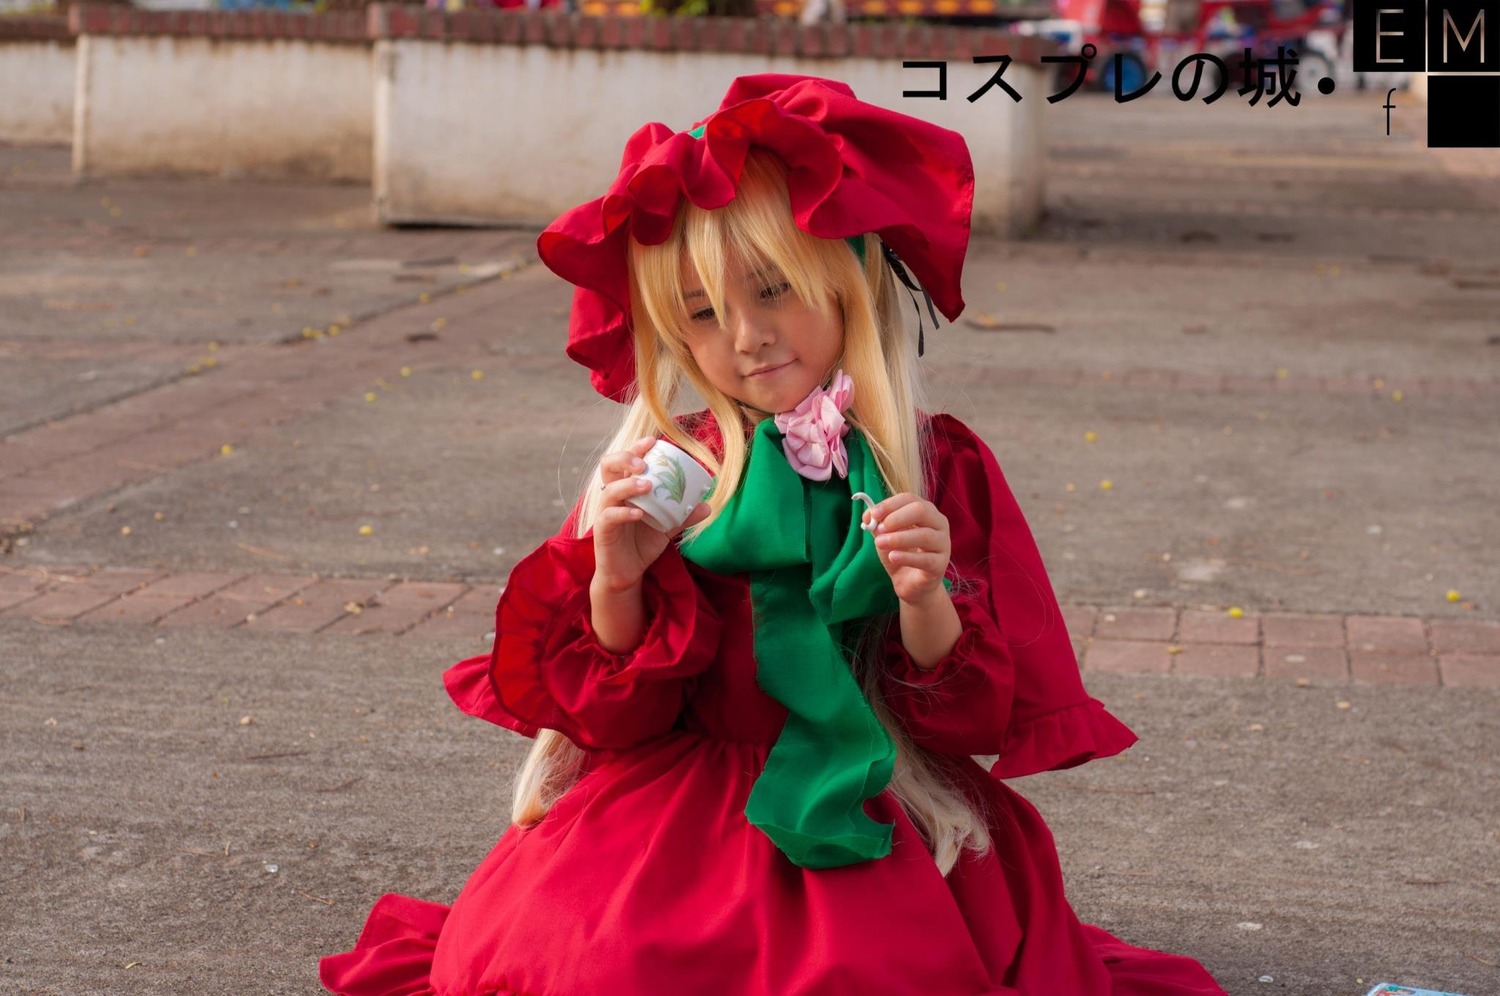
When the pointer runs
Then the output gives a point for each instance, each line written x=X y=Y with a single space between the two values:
x=647 y=878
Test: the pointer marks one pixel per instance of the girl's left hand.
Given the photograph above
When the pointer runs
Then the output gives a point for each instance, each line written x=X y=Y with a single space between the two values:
x=913 y=542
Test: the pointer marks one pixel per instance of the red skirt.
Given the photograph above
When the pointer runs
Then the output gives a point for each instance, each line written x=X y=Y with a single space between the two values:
x=646 y=878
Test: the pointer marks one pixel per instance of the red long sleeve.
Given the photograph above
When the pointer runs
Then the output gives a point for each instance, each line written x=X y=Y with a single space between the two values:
x=547 y=669
x=1011 y=684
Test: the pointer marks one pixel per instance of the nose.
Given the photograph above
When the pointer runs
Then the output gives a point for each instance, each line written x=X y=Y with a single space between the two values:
x=752 y=330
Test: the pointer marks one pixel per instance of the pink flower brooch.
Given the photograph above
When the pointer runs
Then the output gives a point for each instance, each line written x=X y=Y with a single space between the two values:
x=813 y=432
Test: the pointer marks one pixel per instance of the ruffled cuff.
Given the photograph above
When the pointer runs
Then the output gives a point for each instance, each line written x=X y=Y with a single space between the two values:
x=962 y=704
x=548 y=670
x=1063 y=738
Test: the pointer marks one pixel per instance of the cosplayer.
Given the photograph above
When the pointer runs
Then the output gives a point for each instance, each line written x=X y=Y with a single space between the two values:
x=755 y=736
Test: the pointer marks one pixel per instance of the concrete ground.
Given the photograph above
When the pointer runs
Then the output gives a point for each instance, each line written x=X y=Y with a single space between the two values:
x=242 y=426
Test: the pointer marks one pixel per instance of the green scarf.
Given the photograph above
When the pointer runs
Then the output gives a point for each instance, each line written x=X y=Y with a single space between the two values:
x=812 y=571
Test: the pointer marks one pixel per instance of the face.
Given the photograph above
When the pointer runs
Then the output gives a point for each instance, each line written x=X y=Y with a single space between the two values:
x=774 y=348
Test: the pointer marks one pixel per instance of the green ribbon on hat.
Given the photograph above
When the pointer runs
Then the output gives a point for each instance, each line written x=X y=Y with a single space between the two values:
x=813 y=572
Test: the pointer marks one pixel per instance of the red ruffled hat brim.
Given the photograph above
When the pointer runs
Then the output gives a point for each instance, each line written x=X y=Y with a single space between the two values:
x=853 y=168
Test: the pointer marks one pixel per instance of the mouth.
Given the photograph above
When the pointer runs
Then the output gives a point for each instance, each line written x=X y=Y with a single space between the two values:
x=767 y=370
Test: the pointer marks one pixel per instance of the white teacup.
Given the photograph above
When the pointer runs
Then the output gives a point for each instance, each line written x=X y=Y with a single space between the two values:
x=678 y=484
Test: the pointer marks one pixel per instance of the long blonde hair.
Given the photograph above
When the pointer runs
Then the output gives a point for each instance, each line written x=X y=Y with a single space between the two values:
x=879 y=354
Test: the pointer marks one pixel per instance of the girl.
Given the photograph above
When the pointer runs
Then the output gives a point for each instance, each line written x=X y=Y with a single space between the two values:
x=753 y=770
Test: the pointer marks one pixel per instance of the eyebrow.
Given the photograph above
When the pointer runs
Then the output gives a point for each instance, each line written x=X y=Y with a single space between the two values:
x=760 y=272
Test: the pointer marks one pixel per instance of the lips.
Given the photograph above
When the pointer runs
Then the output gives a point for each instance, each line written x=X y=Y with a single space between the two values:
x=766 y=370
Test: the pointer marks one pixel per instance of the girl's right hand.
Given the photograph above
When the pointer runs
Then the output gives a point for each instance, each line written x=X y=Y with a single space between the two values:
x=624 y=546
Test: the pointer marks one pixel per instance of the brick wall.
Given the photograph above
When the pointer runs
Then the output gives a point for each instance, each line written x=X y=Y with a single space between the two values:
x=730 y=36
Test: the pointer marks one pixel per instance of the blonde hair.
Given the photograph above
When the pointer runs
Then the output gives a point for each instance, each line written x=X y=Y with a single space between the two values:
x=756 y=227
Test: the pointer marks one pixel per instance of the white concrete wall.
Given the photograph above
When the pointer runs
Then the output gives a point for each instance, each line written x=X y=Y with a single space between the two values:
x=485 y=133
x=272 y=108
x=36 y=81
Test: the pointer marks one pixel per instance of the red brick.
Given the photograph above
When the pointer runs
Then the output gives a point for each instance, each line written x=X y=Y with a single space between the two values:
x=1002 y=376
x=74 y=597
x=1053 y=378
x=1218 y=659
x=1191 y=381
x=17 y=588
x=813 y=41
x=785 y=38
x=1386 y=633
x=1135 y=624
x=134 y=609
x=1079 y=619
x=586 y=33
x=957 y=46
x=1347 y=385
x=512 y=28
x=1160 y=379
x=1285 y=630
x=121 y=580
x=1127 y=656
x=1449 y=387
x=636 y=30
x=862 y=41
x=1217 y=627
x=400 y=607
x=157 y=600
x=470 y=617
x=60 y=603
x=1387 y=667
x=80 y=477
x=1470 y=670
x=189 y=585
x=612 y=32
x=19 y=454
x=230 y=606
x=318 y=605
x=78 y=434
x=1463 y=636
x=1319 y=665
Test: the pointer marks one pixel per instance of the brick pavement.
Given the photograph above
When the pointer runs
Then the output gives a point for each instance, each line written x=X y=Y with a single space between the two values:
x=56 y=465
x=227 y=399
x=1309 y=649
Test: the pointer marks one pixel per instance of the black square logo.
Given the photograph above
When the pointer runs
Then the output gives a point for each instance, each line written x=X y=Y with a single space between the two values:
x=1391 y=35
x=1463 y=36
x=1463 y=112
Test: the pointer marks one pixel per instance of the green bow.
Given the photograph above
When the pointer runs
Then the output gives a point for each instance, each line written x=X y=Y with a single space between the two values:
x=812 y=571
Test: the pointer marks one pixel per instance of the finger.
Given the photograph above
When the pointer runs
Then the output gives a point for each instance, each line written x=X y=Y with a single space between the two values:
x=913 y=538
x=878 y=512
x=641 y=446
x=621 y=463
x=610 y=520
x=933 y=563
x=914 y=513
x=619 y=492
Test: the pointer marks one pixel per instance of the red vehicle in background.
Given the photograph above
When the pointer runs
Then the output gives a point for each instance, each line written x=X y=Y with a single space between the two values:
x=1179 y=28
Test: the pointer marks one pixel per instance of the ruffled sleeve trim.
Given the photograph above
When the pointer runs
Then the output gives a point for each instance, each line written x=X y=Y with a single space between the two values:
x=549 y=671
x=1044 y=718
x=1062 y=739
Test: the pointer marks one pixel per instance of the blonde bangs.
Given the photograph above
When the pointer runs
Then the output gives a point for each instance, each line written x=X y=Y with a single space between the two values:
x=756 y=228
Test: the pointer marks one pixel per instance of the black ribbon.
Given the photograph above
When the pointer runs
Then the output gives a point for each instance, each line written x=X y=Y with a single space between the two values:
x=899 y=269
